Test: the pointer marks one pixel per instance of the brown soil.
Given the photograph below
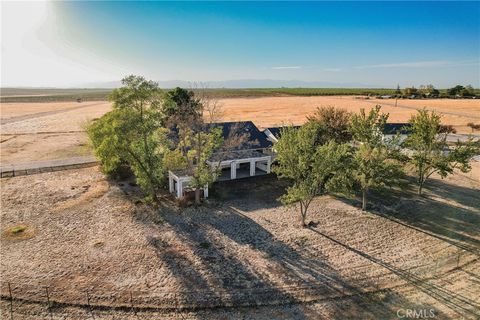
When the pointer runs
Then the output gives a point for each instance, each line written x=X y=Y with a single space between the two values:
x=242 y=249
x=272 y=111
x=29 y=134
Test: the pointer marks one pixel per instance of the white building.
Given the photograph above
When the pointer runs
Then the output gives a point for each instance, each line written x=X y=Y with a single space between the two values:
x=254 y=158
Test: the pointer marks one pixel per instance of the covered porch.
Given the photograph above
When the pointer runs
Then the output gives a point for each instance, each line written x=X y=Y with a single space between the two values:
x=241 y=164
x=231 y=166
x=178 y=184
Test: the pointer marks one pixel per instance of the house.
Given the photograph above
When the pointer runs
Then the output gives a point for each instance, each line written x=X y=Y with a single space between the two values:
x=274 y=133
x=391 y=130
x=251 y=158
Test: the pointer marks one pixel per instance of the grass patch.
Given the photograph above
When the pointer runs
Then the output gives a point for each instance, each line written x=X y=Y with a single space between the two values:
x=18 y=229
x=19 y=232
x=90 y=192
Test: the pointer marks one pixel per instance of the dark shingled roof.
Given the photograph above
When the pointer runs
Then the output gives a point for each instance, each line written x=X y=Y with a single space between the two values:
x=390 y=128
x=276 y=130
x=394 y=128
x=257 y=139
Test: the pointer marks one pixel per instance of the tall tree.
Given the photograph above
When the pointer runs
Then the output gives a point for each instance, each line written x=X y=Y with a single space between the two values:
x=332 y=124
x=132 y=133
x=375 y=160
x=181 y=105
x=398 y=91
x=429 y=149
x=197 y=138
x=312 y=169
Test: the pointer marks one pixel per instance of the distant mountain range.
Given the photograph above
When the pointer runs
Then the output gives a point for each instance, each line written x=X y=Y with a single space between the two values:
x=241 y=84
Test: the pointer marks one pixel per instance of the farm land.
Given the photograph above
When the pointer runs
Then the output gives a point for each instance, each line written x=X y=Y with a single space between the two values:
x=43 y=130
x=231 y=258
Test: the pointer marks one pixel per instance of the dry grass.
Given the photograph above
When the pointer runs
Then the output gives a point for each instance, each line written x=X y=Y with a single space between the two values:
x=248 y=241
x=12 y=110
x=87 y=194
x=271 y=111
x=51 y=137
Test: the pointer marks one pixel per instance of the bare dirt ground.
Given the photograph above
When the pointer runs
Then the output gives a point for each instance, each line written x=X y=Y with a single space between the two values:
x=241 y=249
x=271 y=111
x=42 y=131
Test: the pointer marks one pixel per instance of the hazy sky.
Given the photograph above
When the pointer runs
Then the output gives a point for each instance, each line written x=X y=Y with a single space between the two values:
x=379 y=43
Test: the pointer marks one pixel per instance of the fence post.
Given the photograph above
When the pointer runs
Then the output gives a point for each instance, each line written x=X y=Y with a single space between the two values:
x=88 y=304
x=11 y=301
x=131 y=302
x=458 y=257
x=48 y=302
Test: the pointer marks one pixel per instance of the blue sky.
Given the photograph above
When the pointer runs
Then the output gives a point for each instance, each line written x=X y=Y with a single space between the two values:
x=373 y=43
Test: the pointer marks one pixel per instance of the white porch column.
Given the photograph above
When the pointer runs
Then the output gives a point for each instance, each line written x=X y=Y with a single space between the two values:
x=205 y=191
x=269 y=163
x=179 y=188
x=252 y=168
x=170 y=182
x=233 y=170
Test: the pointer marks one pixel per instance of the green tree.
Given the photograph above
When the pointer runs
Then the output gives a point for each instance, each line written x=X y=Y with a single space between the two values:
x=312 y=169
x=428 y=90
x=132 y=134
x=468 y=91
x=196 y=140
x=429 y=148
x=180 y=105
x=410 y=91
x=455 y=90
x=191 y=116
x=197 y=145
x=332 y=124
x=368 y=129
x=398 y=91
x=375 y=162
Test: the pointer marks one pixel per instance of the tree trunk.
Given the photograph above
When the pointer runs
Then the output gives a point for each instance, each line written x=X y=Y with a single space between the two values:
x=420 y=188
x=197 y=196
x=364 y=200
x=302 y=215
x=153 y=194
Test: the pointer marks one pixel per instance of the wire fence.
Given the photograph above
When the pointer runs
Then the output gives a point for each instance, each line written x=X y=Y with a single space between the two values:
x=55 y=297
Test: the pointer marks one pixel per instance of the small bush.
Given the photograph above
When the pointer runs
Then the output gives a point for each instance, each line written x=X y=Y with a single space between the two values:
x=18 y=229
x=19 y=232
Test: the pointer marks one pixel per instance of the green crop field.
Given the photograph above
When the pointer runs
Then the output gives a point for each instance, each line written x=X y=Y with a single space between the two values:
x=52 y=95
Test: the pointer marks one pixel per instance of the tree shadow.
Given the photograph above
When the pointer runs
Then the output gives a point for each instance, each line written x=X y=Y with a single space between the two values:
x=216 y=277
x=228 y=279
x=261 y=192
x=450 y=222
x=460 y=304
x=461 y=195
